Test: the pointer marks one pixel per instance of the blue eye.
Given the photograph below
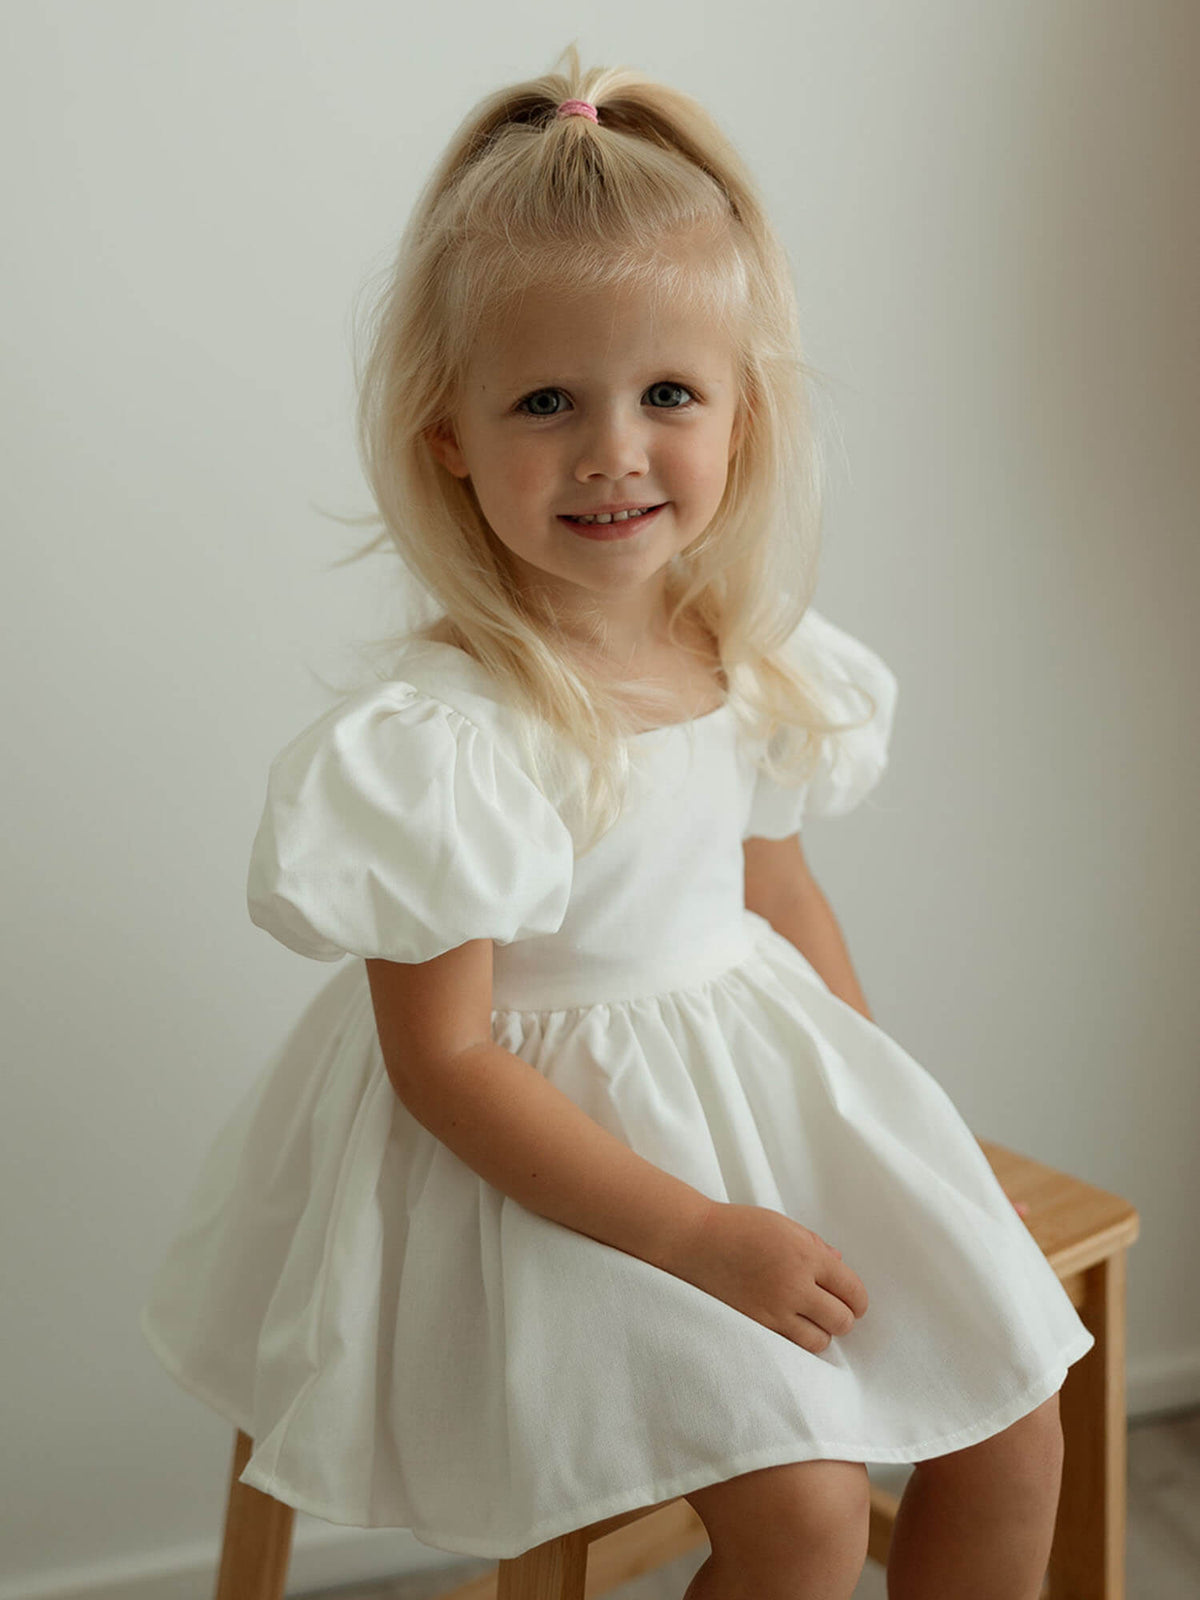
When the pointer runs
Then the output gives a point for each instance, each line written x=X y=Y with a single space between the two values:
x=537 y=395
x=667 y=384
x=530 y=399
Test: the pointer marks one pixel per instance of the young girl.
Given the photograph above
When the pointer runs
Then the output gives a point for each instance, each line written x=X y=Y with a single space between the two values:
x=590 y=1182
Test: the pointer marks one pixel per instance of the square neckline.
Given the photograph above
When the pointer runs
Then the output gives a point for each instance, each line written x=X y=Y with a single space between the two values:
x=683 y=722
x=638 y=733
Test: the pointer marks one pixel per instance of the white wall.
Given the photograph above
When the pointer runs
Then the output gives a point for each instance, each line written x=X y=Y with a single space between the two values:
x=991 y=212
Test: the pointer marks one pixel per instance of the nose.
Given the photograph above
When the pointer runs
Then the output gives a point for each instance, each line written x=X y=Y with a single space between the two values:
x=612 y=447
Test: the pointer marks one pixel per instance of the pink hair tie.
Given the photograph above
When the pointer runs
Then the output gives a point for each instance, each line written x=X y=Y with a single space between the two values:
x=577 y=108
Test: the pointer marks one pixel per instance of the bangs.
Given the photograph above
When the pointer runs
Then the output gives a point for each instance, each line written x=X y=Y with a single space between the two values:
x=488 y=285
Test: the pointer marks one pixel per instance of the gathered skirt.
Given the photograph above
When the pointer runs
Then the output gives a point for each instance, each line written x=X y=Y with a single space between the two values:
x=410 y=1347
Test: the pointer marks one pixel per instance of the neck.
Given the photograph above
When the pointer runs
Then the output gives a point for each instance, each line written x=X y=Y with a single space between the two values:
x=614 y=631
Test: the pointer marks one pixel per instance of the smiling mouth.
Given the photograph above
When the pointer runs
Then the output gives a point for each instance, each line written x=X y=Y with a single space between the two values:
x=615 y=525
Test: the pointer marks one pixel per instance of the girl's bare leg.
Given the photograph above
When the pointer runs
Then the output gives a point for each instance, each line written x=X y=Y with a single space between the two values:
x=792 y=1532
x=978 y=1524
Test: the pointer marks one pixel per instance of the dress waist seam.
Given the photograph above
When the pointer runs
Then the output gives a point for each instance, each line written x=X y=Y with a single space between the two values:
x=619 y=983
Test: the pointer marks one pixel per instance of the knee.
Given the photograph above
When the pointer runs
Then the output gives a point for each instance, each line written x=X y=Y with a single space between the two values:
x=801 y=1505
x=821 y=1522
x=1044 y=1434
x=1028 y=1451
x=835 y=1497
x=1038 y=1433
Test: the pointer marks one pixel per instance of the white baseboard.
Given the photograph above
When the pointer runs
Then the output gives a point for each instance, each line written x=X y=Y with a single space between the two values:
x=325 y=1556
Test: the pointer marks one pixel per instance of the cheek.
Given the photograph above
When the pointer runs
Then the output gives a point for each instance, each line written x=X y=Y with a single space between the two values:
x=524 y=471
x=709 y=461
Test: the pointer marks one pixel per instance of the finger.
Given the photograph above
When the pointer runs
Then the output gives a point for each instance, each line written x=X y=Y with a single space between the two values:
x=846 y=1284
x=808 y=1335
x=830 y=1312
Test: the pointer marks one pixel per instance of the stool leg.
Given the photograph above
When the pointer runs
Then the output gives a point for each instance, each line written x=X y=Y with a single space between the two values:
x=556 y=1570
x=258 y=1537
x=1088 y=1558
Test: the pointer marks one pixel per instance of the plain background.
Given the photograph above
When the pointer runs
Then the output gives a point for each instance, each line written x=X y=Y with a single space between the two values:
x=990 y=210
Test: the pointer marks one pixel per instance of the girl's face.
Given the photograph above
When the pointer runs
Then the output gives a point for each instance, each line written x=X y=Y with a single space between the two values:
x=582 y=403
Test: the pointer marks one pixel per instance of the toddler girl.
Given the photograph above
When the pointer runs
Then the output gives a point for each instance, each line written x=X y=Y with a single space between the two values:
x=589 y=1181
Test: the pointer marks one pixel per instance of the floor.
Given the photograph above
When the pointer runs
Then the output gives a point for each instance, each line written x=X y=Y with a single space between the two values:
x=1163 y=1549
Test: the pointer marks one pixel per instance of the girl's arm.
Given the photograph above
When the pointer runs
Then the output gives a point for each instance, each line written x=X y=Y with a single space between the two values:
x=780 y=887
x=508 y=1122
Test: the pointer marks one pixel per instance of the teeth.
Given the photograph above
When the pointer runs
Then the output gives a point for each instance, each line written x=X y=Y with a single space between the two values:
x=615 y=516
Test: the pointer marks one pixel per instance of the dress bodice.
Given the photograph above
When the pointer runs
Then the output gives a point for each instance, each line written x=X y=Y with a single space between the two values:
x=660 y=897
x=408 y=819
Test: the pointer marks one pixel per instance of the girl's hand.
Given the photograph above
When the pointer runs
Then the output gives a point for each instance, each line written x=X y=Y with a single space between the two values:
x=774 y=1270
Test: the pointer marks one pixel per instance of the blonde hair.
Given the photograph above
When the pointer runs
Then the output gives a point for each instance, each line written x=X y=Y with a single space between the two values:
x=651 y=196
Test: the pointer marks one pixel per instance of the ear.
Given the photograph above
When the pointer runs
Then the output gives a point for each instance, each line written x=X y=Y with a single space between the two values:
x=444 y=445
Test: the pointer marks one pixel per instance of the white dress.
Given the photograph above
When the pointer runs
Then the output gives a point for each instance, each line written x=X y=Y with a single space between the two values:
x=407 y=1345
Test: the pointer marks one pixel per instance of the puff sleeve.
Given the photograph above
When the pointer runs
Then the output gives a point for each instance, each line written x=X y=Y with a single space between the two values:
x=395 y=827
x=850 y=764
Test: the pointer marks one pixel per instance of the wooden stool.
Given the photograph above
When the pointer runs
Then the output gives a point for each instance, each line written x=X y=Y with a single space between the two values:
x=1084 y=1233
